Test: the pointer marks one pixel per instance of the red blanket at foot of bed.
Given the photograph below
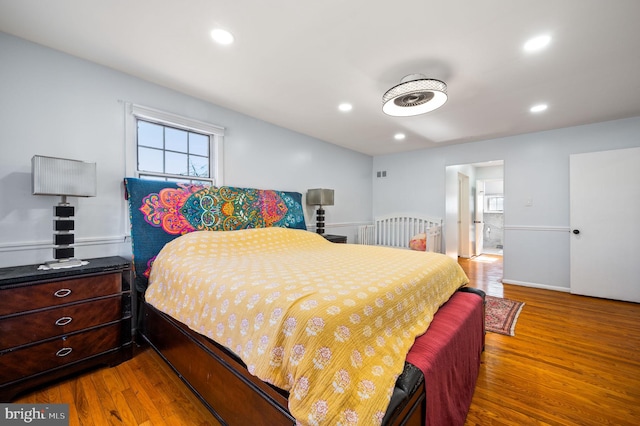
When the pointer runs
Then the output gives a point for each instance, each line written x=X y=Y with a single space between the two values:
x=443 y=355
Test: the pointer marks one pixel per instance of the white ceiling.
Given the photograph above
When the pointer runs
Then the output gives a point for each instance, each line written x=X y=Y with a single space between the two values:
x=294 y=61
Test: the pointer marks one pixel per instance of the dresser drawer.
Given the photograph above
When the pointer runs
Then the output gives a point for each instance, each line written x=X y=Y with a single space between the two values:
x=38 y=296
x=45 y=356
x=23 y=329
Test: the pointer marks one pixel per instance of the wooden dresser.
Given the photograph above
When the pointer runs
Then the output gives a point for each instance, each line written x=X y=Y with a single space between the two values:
x=57 y=322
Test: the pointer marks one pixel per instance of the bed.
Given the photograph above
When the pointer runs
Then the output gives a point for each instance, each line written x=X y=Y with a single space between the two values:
x=271 y=324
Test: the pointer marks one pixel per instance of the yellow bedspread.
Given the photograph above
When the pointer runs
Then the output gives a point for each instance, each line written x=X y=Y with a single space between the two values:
x=330 y=323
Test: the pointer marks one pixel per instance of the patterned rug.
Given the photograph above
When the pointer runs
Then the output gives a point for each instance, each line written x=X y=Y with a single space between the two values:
x=501 y=315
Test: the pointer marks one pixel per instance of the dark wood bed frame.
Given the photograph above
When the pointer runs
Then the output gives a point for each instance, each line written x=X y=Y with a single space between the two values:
x=235 y=397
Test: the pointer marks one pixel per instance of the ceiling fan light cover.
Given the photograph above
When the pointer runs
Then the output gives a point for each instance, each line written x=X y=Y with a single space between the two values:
x=414 y=96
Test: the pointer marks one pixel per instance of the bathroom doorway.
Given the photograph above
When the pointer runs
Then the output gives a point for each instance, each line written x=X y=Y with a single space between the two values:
x=479 y=228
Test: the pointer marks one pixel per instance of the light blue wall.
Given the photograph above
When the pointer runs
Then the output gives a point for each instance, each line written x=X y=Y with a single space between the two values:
x=57 y=105
x=536 y=167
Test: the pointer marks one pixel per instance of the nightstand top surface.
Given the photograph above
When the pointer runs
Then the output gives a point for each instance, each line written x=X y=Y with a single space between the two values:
x=25 y=273
x=335 y=238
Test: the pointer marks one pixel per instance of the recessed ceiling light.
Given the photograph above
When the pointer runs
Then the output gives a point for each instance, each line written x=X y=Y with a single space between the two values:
x=345 y=107
x=538 y=108
x=399 y=136
x=222 y=36
x=537 y=43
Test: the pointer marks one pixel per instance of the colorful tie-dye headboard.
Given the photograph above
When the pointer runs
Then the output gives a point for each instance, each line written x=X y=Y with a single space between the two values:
x=161 y=211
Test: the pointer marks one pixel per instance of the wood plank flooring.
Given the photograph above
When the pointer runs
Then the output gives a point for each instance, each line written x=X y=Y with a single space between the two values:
x=574 y=360
x=141 y=391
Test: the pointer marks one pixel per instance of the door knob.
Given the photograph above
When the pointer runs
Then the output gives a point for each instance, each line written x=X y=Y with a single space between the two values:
x=576 y=231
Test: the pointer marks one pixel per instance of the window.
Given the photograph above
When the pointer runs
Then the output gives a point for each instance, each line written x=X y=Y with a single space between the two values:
x=165 y=146
x=165 y=150
x=495 y=203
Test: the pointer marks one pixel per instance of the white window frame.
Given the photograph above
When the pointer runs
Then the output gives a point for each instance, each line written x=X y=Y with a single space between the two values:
x=134 y=112
x=488 y=199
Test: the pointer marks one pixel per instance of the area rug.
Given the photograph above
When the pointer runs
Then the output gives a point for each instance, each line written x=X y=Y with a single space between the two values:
x=501 y=315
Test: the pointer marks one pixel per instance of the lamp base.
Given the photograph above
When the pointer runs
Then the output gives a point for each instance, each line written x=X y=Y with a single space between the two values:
x=320 y=220
x=63 y=263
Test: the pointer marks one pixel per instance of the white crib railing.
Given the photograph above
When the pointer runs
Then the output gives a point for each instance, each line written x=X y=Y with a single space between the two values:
x=367 y=235
x=397 y=231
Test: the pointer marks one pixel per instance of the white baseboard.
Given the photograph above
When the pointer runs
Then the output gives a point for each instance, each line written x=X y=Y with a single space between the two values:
x=536 y=285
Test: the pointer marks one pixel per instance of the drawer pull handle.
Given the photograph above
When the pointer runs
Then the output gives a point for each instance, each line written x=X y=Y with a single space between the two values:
x=63 y=321
x=63 y=292
x=64 y=352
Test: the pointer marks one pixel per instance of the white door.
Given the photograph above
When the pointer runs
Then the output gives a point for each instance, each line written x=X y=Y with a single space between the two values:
x=479 y=219
x=605 y=224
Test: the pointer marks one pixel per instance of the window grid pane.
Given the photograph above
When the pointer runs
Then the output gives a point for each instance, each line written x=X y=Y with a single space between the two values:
x=198 y=166
x=150 y=160
x=175 y=140
x=176 y=163
x=198 y=144
x=150 y=134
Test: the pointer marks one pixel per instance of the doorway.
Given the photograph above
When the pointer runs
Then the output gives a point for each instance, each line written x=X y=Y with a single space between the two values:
x=464 y=232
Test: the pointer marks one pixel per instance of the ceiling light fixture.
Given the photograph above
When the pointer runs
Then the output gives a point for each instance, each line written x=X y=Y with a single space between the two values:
x=537 y=43
x=538 y=108
x=222 y=36
x=399 y=136
x=416 y=94
x=345 y=107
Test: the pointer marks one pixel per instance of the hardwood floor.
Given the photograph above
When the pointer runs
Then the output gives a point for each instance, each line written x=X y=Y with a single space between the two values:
x=142 y=391
x=574 y=361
